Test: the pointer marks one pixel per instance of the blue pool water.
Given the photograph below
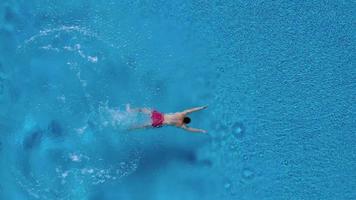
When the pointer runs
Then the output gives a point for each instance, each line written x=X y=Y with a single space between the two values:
x=279 y=78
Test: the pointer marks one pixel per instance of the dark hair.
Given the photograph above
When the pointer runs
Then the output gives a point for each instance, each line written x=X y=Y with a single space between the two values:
x=186 y=120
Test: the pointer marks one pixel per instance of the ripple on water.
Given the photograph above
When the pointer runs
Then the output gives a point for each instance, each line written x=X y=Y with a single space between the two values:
x=2 y=87
x=32 y=140
x=55 y=129
x=220 y=129
x=2 y=80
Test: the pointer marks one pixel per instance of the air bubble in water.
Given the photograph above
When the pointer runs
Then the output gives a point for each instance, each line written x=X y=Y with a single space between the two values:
x=245 y=157
x=238 y=130
x=227 y=185
x=247 y=174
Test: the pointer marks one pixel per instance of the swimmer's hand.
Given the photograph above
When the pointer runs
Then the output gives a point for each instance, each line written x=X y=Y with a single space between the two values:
x=194 y=109
x=193 y=129
x=202 y=107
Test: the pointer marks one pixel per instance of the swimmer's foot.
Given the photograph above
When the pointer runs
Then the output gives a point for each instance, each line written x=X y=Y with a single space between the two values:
x=143 y=110
x=128 y=109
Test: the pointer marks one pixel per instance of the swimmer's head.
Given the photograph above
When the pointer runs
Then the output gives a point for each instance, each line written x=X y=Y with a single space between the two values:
x=186 y=120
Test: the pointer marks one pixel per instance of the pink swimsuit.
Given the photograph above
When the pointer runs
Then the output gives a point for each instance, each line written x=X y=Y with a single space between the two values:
x=157 y=119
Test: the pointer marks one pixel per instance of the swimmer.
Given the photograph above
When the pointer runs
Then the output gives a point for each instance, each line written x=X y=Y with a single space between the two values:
x=178 y=119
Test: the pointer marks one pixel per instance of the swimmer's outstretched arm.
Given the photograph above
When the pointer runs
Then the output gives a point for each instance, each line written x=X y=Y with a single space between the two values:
x=193 y=129
x=194 y=109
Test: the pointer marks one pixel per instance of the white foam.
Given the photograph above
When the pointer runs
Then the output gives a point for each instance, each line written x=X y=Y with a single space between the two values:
x=61 y=98
x=75 y=158
x=111 y=117
x=65 y=174
x=81 y=130
x=93 y=59
x=50 y=47
x=56 y=33
x=46 y=32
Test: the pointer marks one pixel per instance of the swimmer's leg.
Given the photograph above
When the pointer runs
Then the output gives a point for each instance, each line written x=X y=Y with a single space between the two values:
x=140 y=127
x=143 y=110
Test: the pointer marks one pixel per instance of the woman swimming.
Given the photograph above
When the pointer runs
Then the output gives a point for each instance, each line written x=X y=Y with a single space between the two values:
x=178 y=119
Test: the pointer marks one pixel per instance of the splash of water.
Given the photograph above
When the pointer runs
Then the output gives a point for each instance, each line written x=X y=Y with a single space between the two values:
x=114 y=118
